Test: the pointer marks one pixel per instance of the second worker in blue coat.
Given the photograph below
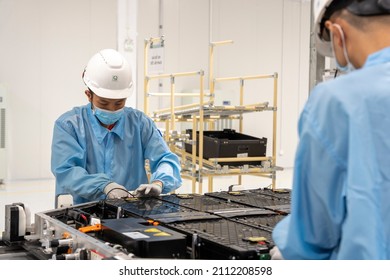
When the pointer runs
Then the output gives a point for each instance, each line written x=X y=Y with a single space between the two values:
x=340 y=205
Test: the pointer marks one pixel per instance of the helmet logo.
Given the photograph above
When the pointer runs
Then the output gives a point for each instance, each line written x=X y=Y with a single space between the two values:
x=114 y=78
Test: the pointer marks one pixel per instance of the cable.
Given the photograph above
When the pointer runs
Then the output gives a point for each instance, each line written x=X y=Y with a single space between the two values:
x=84 y=218
x=118 y=189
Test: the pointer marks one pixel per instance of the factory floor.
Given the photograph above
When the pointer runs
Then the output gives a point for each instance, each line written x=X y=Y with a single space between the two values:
x=38 y=195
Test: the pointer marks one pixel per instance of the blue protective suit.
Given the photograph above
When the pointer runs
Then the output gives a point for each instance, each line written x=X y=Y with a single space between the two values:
x=341 y=186
x=87 y=156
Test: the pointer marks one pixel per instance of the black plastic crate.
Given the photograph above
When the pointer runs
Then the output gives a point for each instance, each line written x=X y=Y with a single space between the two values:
x=228 y=143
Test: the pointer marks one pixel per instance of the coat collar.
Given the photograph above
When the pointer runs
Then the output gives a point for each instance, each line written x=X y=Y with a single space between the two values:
x=100 y=131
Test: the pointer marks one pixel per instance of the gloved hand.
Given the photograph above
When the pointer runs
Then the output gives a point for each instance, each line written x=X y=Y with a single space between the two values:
x=276 y=254
x=153 y=189
x=114 y=190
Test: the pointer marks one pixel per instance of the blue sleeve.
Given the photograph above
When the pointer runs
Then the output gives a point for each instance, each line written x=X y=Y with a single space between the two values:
x=68 y=164
x=313 y=229
x=164 y=164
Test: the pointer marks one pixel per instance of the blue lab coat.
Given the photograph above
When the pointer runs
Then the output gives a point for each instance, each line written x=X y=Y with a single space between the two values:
x=87 y=156
x=340 y=206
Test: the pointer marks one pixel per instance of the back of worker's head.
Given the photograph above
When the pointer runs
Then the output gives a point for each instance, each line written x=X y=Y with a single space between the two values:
x=358 y=13
x=108 y=75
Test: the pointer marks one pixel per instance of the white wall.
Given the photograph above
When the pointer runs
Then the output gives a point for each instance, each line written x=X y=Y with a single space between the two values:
x=45 y=45
x=269 y=36
x=127 y=39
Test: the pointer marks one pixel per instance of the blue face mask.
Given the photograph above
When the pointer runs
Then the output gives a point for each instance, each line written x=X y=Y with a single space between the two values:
x=107 y=117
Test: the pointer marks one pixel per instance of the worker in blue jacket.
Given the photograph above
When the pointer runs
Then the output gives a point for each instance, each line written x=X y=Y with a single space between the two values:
x=99 y=150
x=340 y=206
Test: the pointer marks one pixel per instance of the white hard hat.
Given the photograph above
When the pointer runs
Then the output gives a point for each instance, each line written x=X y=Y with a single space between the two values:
x=108 y=75
x=323 y=46
x=323 y=9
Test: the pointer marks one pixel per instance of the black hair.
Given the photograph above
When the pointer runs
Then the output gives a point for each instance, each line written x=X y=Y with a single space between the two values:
x=330 y=10
x=358 y=10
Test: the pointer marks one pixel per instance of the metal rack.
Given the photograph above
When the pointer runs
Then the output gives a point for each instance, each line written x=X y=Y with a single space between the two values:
x=205 y=112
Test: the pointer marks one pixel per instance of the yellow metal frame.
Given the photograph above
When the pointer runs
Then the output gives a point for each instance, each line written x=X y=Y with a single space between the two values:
x=198 y=166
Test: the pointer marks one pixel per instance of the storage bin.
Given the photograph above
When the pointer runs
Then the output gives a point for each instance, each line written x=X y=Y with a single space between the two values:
x=229 y=143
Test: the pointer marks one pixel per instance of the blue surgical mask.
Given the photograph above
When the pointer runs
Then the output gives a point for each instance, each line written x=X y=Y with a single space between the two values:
x=107 y=117
x=349 y=66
